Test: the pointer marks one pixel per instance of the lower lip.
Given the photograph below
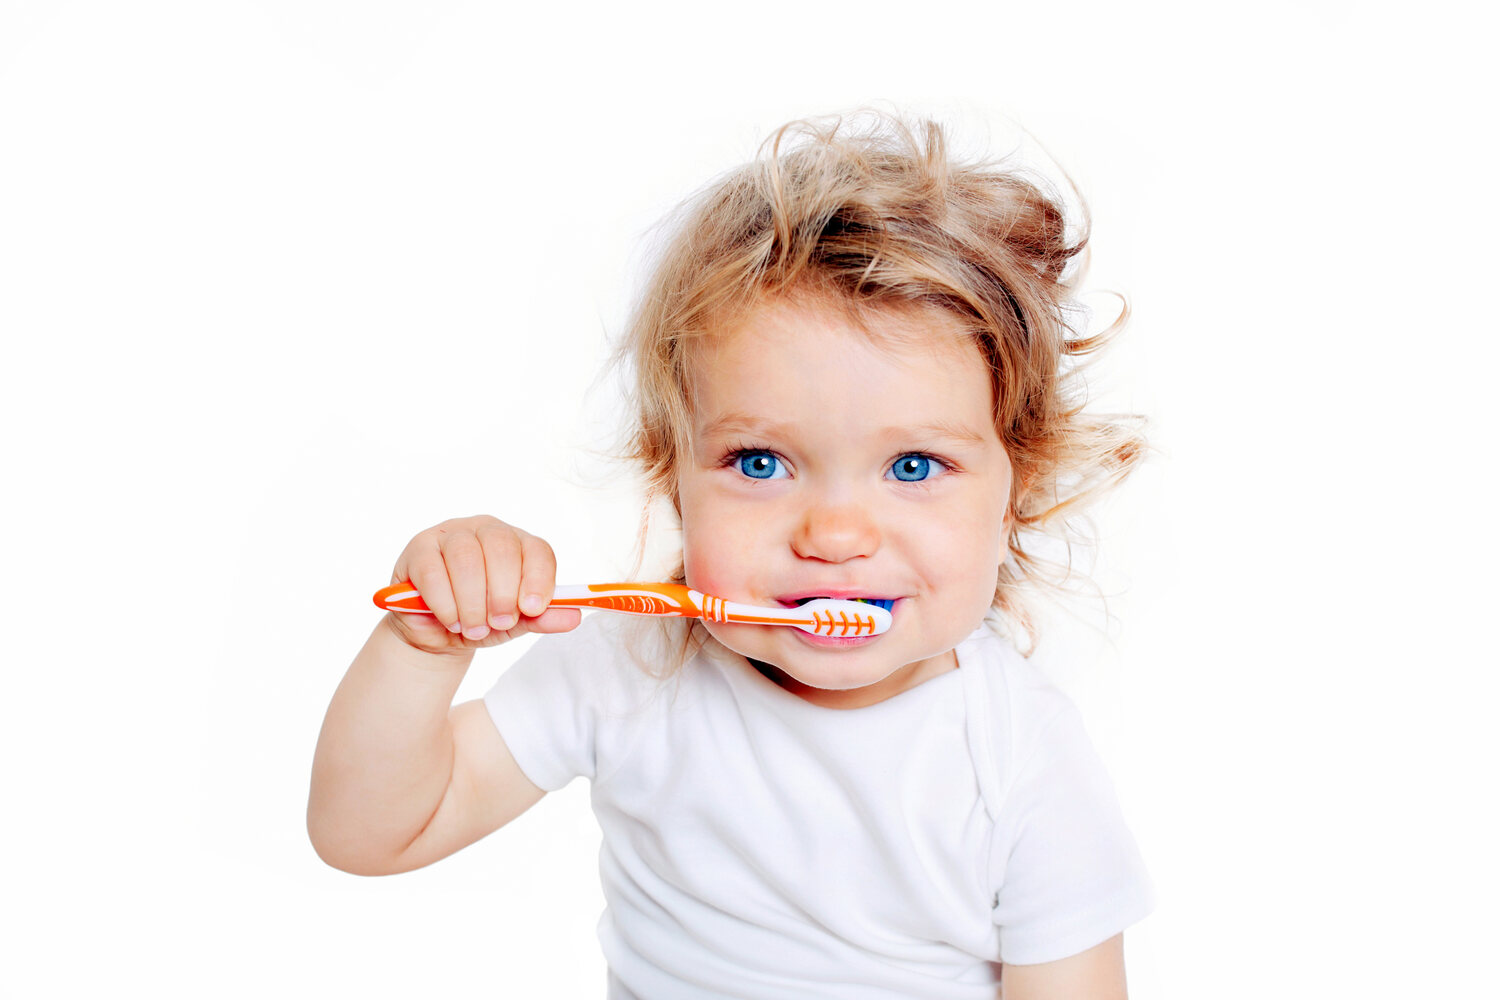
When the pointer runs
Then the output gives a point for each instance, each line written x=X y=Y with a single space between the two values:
x=831 y=641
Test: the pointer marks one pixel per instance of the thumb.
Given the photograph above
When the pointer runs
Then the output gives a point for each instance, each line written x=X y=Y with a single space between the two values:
x=550 y=621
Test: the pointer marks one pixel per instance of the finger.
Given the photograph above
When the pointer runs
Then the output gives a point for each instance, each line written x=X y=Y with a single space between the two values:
x=466 y=575
x=502 y=568
x=428 y=574
x=538 y=575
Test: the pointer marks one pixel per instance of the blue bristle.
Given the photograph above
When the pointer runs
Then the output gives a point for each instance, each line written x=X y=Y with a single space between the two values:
x=882 y=604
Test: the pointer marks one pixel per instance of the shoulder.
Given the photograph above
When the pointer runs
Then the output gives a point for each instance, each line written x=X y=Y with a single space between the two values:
x=1063 y=866
x=599 y=671
x=1021 y=707
x=606 y=658
x=572 y=703
x=1015 y=674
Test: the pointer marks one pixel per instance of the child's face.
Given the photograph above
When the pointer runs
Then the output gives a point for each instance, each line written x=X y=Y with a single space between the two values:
x=828 y=463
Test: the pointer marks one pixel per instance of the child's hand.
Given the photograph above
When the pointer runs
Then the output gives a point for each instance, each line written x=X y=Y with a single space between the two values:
x=485 y=582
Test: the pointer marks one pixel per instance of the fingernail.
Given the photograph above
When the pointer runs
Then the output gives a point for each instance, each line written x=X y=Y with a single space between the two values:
x=477 y=632
x=533 y=604
x=455 y=628
x=502 y=622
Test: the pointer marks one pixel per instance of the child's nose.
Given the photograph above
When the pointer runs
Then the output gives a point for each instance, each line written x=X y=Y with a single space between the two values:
x=835 y=533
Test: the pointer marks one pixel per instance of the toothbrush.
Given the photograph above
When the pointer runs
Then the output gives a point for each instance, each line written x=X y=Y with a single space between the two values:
x=821 y=616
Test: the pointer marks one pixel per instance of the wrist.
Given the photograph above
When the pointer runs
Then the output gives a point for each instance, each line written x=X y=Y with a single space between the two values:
x=397 y=644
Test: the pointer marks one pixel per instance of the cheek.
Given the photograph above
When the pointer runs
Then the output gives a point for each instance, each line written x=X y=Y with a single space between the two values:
x=698 y=560
x=704 y=558
x=968 y=547
x=725 y=545
x=713 y=568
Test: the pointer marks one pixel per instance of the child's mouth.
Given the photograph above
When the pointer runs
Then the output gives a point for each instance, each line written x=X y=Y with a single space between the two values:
x=884 y=603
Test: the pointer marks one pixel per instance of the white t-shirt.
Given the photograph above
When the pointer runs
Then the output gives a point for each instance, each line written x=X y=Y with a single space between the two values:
x=756 y=845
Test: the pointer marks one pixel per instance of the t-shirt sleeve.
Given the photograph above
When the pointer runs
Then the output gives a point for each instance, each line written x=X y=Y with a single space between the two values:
x=560 y=707
x=1067 y=872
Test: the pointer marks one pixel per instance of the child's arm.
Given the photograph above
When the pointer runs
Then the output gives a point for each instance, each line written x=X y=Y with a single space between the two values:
x=1096 y=974
x=401 y=777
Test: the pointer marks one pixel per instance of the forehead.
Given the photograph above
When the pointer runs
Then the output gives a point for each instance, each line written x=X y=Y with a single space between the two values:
x=806 y=359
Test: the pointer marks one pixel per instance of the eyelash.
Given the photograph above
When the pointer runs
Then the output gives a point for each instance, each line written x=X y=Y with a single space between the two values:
x=736 y=454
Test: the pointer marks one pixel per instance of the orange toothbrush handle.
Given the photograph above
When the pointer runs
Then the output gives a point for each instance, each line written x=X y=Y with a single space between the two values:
x=824 y=616
x=401 y=597
x=672 y=599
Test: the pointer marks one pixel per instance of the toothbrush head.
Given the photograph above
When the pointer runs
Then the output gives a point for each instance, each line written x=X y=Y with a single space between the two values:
x=845 y=619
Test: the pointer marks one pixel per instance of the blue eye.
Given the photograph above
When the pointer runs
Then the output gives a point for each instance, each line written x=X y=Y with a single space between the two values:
x=912 y=468
x=761 y=465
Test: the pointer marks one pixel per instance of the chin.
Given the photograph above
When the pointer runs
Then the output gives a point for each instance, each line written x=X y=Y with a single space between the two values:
x=813 y=661
x=795 y=676
x=837 y=681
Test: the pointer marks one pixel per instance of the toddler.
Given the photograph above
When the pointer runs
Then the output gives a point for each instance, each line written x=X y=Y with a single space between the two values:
x=850 y=382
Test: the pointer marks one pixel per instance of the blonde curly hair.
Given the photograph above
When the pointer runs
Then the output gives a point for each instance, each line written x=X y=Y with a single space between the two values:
x=870 y=212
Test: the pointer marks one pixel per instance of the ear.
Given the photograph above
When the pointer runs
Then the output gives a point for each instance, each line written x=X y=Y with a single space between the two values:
x=1020 y=488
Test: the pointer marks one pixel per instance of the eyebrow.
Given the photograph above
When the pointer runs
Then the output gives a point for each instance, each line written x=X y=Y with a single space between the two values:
x=737 y=423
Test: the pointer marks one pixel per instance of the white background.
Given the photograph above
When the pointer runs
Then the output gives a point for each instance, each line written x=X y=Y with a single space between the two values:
x=282 y=283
